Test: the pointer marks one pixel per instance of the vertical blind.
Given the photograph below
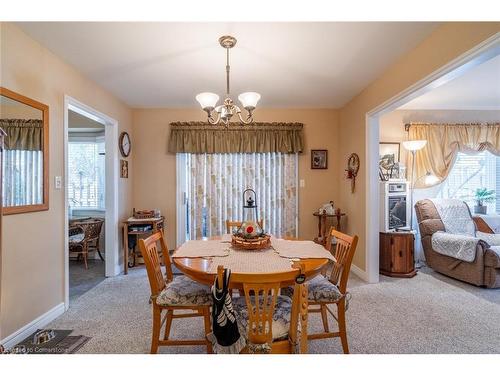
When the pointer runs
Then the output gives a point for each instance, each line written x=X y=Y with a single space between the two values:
x=215 y=183
x=23 y=174
x=86 y=174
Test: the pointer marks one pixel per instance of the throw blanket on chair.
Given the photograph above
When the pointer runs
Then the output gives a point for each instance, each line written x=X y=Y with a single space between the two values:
x=459 y=241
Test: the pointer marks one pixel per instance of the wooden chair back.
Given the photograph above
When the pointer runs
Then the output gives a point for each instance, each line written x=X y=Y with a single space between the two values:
x=343 y=251
x=261 y=294
x=237 y=224
x=149 y=251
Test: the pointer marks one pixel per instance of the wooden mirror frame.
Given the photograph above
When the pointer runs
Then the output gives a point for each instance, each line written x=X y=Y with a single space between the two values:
x=45 y=117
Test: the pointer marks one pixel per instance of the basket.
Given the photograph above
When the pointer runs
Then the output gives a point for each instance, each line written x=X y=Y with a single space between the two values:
x=259 y=243
x=147 y=214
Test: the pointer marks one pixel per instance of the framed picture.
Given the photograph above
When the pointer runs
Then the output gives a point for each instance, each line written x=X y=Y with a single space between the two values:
x=123 y=168
x=388 y=148
x=319 y=159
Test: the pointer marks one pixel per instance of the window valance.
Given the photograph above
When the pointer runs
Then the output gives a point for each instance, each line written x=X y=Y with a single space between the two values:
x=444 y=141
x=200 y=137
x=25 y=135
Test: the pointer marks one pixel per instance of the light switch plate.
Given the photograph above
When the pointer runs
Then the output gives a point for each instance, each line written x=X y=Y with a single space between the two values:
x=302 y=183
x=58 y=182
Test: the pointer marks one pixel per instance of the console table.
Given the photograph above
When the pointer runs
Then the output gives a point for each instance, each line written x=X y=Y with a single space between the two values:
x=156 y=223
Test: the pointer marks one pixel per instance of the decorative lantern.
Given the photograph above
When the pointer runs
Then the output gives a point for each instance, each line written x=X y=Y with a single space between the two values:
x=250 y=227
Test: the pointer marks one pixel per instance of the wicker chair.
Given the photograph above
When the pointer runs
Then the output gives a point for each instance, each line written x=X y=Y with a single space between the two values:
x=84 y=238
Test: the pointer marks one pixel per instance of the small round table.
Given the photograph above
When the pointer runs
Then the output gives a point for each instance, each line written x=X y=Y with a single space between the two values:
x=198 y=269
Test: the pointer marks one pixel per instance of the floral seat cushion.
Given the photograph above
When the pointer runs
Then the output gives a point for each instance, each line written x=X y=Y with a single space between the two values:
x=320 y=289
x=281 y=316
x=183 y=291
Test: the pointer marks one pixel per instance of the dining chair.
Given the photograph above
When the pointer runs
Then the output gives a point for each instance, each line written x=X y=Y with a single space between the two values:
x=236 y=224
x=271 y=321
x=331 y=289
x=170 y=294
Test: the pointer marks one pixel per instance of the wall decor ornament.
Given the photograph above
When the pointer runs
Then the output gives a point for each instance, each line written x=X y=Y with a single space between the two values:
x=319 y=159
x=123 y=168
x=352 y=170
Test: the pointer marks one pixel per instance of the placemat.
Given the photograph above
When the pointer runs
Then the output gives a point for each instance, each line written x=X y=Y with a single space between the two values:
x=258 y=261
x=202 y=248
x=300 y=249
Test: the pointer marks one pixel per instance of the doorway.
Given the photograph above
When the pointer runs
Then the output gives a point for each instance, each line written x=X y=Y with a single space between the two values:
x=91 y=190
x=474 y=57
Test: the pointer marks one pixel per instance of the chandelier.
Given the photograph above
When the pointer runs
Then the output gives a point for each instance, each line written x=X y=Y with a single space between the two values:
x=225 y=111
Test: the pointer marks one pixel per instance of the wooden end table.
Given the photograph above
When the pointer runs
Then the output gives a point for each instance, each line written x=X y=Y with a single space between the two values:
x=322 y=227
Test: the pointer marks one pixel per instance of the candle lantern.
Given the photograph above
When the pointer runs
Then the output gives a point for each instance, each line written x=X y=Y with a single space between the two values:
x=250 y=227
x=250 y=235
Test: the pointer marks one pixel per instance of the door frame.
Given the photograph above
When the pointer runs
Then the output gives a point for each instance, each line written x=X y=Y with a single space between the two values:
x=482 y=52
x=112 y=266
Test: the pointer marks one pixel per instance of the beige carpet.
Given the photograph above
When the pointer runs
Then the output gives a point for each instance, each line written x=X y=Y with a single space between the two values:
x=429 y=313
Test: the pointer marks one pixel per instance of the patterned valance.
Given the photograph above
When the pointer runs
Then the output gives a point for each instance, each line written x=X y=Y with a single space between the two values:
x=200 y=138
x=25 y=135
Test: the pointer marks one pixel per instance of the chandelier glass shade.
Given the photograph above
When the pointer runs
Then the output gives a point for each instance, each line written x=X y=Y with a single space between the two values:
x=224 y=112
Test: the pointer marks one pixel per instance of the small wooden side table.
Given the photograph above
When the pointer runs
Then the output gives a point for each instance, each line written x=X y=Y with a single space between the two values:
x=157 y=223
x=322 y=227
x=397 y=254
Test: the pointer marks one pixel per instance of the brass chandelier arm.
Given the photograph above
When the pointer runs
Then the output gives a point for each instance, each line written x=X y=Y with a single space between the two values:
x=249 y=119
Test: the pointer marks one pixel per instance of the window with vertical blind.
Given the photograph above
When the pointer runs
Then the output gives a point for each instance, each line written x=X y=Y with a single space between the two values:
x=86 y=173
x=213 y=185
x=470 y=172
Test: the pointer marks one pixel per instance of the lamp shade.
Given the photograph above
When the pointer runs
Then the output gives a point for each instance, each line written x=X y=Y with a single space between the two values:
x=249 y=100
x=414 y=145
x=207 y=100
x=430 y=179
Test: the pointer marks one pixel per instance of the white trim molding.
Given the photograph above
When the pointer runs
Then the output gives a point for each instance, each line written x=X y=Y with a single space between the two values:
x=112 y=239
x=359 y=272
x=30 y=328
x=484 y=51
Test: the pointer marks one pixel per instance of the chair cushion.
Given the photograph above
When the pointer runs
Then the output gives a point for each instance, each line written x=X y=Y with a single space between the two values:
x=281 y=316
x=492 y=257
x=319 y=289
x=183 y=291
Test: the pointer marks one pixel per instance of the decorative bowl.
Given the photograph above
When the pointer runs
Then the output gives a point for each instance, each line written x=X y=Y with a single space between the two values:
x=258 y=243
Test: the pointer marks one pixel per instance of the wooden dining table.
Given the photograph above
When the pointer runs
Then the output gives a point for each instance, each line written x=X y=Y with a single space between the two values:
x=201 y=270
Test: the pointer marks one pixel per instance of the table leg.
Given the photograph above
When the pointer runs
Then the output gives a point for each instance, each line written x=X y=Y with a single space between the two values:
x=125 y=249
x=319 y=227
x=337 y=227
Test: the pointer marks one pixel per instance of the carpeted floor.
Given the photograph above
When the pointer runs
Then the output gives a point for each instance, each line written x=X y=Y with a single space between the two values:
x=429 y=313
x=81 y=280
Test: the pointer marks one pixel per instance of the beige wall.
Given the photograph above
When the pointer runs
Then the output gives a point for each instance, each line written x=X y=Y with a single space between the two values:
x=445 y=44
x=155 y=178
x=33 y=244
x=392 y=124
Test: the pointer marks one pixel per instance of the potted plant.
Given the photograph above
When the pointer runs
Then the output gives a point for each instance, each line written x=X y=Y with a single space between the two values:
x=481 y=196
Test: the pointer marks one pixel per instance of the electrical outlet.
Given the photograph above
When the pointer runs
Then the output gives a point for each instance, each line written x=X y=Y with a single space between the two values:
x=58 y=182
x=302 y=183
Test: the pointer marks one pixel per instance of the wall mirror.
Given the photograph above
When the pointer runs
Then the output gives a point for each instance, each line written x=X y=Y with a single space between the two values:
x=25 y=177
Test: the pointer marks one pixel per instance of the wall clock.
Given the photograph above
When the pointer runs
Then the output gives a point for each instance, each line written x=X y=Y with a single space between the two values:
x=352 y=169
x=124 y=144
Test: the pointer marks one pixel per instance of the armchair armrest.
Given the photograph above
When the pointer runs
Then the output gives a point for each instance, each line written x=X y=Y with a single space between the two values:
x=457 y=246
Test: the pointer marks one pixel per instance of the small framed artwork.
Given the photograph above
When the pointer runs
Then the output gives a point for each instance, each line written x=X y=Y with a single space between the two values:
x=123 y=168
x=389 y=148
x=319 y=159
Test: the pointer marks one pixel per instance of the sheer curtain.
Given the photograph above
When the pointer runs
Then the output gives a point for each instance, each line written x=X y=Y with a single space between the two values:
x=215 y=183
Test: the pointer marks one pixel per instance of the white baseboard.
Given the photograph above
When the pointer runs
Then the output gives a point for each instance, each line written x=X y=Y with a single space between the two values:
x=32 y=326
x=359 y=272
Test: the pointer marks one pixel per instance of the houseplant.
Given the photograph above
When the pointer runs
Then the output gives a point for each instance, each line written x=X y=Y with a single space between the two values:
x=481 y=196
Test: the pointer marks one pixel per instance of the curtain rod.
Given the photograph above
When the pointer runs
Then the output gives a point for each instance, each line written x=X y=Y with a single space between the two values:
x=408 y=125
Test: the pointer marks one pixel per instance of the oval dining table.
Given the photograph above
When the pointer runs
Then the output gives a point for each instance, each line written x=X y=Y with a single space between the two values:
x=198 y=269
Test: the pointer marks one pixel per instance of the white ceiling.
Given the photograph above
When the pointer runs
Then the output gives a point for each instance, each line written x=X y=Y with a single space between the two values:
x=289 y=64
x=477 y=89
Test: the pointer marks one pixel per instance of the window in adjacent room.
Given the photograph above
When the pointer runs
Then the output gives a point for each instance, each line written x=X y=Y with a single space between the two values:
x=86 y=178
x=470 y=172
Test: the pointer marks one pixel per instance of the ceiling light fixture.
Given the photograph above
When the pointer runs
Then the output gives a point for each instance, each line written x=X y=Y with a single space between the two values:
x=224 y=112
